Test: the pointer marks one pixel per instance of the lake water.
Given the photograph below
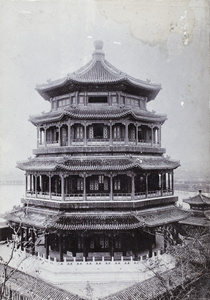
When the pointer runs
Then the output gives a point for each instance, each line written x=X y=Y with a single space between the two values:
x=11 y=195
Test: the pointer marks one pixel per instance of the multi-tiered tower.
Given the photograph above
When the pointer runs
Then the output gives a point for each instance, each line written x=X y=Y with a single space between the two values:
x=99 y=182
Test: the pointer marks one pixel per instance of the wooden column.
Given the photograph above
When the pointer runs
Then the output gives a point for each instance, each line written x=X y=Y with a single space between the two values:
x=152 y=131
x=169 y=183
x=85 y=134
x=85 y=250
x=110 y=134
x=84 y=187
x=136 y=134
x=159 y=135
x=146 y=176
x=126 y=133
x=26 y=231
x=62 y=188
x=46 y=245
x=69 y=134
x=132 y=187
x=61 y=246
x=36 y=185
x=59 y=135
x=111 y=247
x=26 y=184
x=161 y=184
x=50 y=187
x=37 y=129
x=45 y=137
x=111 y=187
x=172 y=182
x=33 y=241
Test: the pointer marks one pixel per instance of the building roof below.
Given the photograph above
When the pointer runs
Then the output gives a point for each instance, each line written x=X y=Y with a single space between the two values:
x=199 y=199
x=96 y=221
x=33 y=288
x=98 y=164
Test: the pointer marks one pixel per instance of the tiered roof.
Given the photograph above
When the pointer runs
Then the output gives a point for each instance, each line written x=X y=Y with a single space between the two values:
x=98 y=164
x=100 y=220
x=100 y=113
x=97 y=71
x=199 y=199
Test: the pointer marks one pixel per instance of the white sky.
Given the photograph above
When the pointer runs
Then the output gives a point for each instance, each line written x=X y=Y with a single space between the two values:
x=165 y=41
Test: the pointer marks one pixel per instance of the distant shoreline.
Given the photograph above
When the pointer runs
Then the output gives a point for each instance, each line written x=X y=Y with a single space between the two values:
x=12 y=182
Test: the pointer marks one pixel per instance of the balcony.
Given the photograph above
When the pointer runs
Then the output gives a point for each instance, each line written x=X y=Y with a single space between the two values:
x=122 y=201
x=99 y=146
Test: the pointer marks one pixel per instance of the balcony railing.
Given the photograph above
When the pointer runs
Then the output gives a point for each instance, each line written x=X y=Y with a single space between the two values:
x=99 y=196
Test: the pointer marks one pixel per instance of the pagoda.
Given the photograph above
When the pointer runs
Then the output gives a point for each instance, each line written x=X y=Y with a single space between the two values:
x=99 y=182
x=200 y=212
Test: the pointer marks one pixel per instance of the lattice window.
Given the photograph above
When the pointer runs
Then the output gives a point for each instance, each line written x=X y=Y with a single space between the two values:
x=94 y=185
x=133 y=133
x=116 y=184
x=79 y=132
x=117 y=132
x=101 y=178
x=105 y=132
x=80 y=184
x=106 y=184
x=91 y=132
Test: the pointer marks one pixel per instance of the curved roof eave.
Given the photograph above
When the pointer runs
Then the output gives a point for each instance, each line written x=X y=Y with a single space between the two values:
x=43 y=90
x=57 y=117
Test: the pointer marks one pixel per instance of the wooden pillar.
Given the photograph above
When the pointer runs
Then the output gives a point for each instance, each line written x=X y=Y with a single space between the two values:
x=62 y=188
x=84 y=187
x=111 y=187
x=159 y=135
x=150 y=246
x=46 y=245
x=26 y=234
x=111 y=247
x=161 y=184
x=152 y=131
x=36 y=185
x=137 y=134
x=169 y=181
x=59 y=135
x=37 y=134
x=33 y=241
x=146 y=175
x=132 y=187
x=110 y=134
x=45 y=137
x=69 y=134
x=172 y=182
x=26 y=184
x=126 y=133
x=60 y=236
x=85 y=250
x=85 y=134
x=50 y=187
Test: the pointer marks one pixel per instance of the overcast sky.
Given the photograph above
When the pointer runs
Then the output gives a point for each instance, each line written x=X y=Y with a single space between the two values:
x=164 y=41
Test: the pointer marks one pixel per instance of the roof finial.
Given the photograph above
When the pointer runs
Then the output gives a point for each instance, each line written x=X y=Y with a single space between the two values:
x=98 y=45
x=98 y=54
